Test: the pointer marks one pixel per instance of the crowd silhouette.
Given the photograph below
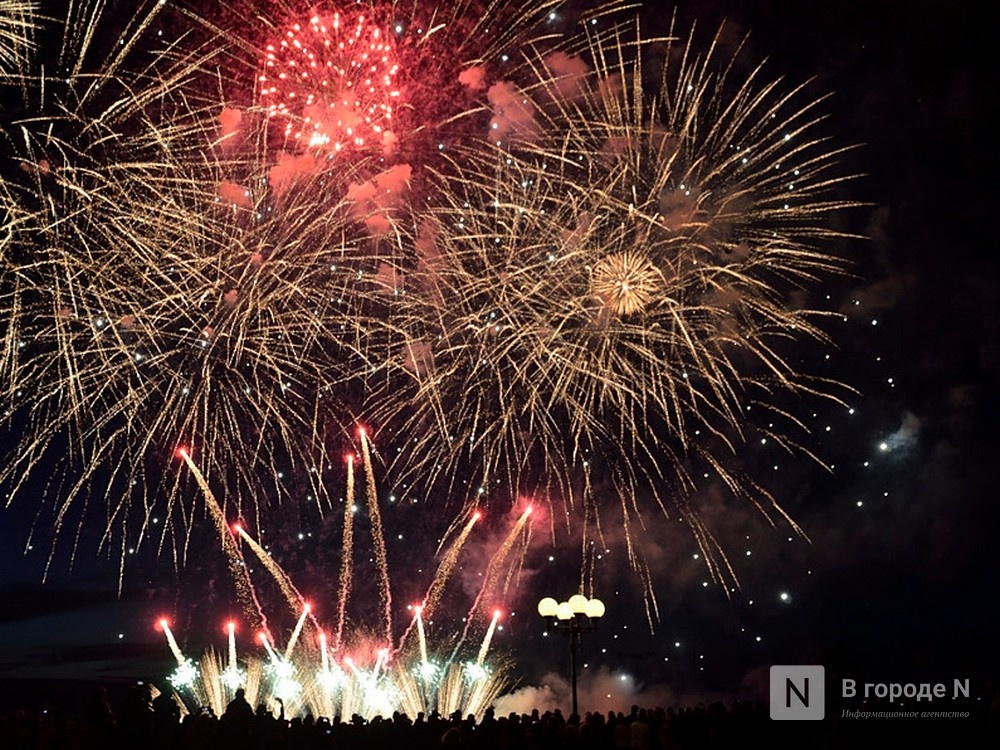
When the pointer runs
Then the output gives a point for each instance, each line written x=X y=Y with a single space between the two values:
x=145 y=723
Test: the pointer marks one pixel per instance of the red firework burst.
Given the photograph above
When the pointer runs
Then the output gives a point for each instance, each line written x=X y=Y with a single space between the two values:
x=333 y=80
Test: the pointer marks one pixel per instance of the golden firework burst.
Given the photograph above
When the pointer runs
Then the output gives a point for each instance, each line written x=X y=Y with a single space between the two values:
x=625 y=283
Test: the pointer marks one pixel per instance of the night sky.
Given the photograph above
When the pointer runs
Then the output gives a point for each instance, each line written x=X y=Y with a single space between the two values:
x=898 y=578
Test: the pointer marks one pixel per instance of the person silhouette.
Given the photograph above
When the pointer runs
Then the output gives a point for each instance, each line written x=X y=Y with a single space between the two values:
x=239 y=712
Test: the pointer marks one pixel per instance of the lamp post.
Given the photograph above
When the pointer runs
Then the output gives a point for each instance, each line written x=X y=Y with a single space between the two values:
x=574 y=617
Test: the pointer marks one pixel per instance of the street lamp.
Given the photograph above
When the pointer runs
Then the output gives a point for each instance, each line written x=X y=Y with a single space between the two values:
x=574 y=617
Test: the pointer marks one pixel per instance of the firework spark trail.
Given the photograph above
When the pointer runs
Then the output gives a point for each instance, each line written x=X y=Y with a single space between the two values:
x=444 y=571
x=380 y=662
x=326 y=677
x=448 y=562
x=212 y=686
x=485 y=647
x=346 y=555
x=324 y=652
x=422 y=640
x=449 y=696
x=493 y=571
x=230 y=677
x=411 y=696
x=172 y=642
x=297 y=631
x=514 y=571
x=378 y=537
x=231 y=629
x=484 y=694
x=349 y=662
x=17 y=26
x=495 y=568
x=234 y=558
x=292 y=596
x=481 y=691
x=268 y=647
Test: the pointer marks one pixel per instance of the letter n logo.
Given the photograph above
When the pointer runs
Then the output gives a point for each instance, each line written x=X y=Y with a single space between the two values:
x=797 y=692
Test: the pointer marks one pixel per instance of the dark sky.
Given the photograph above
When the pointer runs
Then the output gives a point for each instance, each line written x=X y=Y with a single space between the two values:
x=898 y=582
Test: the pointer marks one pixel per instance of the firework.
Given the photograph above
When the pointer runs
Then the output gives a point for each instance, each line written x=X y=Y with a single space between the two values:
x=158 y=288
x=207 y=682
x=134 y=348
x=401 y=77
x=448 y=562
x=292 y=596
x=540 y=259
x=378 y=537
x=332 y=80
x=363 y=674
x=606 y=289
x=178 y=266
x=234 y=559
x=346 y=555
x=17 y=26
